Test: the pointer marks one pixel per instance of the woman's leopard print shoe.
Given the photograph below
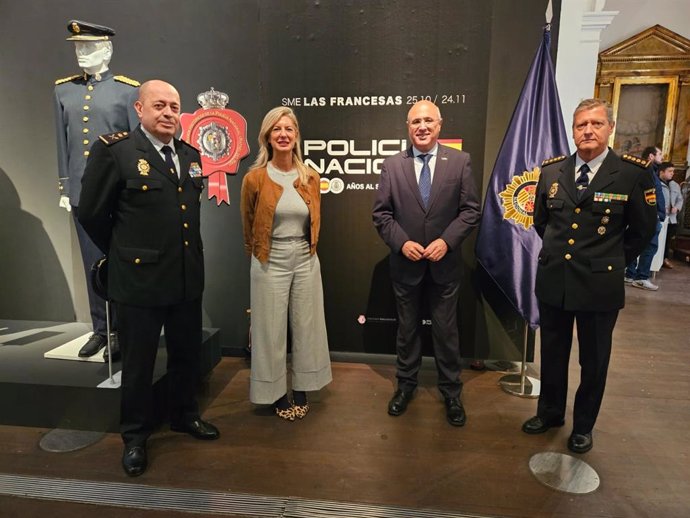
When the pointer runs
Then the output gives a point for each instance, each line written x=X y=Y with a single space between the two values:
x=300 y=411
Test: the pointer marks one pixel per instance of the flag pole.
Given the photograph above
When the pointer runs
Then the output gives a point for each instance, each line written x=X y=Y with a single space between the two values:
x=536 y=132
x=521 y=385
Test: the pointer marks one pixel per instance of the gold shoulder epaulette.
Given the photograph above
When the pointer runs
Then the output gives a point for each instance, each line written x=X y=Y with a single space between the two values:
x=126 y=80
x=110 y=138
x=66 y=79
x=553 y=160
x=637 y=161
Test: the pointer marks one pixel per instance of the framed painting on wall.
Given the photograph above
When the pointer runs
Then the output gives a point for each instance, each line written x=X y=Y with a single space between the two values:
x=645 y=113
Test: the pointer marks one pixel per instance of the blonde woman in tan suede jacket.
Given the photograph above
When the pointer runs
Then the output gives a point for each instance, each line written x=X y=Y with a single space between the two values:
x=280 y=206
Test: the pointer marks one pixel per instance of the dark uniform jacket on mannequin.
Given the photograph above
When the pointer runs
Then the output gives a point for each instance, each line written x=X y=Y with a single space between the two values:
x=84 y=109
x=145 y=219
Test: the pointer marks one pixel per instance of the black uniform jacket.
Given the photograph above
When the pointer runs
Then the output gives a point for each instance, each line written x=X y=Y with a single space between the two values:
x=587 y=243
x=399 y=214
x=145 y=219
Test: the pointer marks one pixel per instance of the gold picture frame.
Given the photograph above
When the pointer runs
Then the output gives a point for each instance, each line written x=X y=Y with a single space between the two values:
x=645 y=113
x=647 y=80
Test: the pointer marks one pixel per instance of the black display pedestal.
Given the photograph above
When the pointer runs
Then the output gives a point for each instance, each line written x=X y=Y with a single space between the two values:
x=47 y=393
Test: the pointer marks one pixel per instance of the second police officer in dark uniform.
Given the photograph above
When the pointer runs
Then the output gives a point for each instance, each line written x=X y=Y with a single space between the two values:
x=595 y=212
x=87 y=105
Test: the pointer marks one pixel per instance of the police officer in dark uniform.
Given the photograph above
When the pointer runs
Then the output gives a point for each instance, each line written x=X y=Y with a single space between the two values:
x=87 y=105
x=140 y=202
x=595 y=212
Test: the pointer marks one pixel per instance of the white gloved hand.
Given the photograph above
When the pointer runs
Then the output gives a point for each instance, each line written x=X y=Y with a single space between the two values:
x=65 y=204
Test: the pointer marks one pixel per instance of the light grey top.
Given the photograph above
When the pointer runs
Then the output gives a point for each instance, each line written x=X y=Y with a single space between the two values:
x=291 y=219
x=673 y=198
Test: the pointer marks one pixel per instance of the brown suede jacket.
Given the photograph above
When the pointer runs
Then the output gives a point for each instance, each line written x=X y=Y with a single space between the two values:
x=258 y=202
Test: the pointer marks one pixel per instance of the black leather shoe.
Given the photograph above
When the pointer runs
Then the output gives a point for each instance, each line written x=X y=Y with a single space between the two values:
x=197 y=428
x=580 y=442
x=455 y=412
x=134 y=460
x=94 y=344
x=478 y=365
x=536 y=424
x=114 y=347
x=398 y=404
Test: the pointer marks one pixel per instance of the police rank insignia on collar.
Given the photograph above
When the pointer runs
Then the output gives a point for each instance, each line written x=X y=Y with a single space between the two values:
x=553 y=160
x=195 y=170
x=553 y=190
x=650 y=196
x=111 y=138
x=143 y=167
x=636 y=161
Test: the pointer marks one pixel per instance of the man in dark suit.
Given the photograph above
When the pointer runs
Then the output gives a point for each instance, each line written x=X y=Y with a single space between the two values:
x=595 y=212
x=140 y=203
x=426 y=205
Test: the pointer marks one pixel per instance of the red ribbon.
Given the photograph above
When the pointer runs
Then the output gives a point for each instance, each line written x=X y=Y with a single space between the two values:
x=218 y=187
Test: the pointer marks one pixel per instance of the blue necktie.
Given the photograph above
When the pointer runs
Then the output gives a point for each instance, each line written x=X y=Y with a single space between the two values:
x=425 y=180
x=582 y=181
x=167 y=151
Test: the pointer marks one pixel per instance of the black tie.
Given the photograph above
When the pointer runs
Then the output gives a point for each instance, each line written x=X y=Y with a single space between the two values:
x=167 y=151
x=582 y=181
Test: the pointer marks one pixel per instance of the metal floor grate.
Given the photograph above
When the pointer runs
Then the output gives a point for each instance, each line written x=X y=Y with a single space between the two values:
x=139 y=496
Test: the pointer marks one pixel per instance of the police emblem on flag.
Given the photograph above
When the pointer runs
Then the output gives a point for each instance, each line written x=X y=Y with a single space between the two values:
x=518 y=198
x=220 y=135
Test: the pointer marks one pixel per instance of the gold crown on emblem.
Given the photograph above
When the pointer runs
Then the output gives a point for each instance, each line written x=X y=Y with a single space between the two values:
x=212 y=99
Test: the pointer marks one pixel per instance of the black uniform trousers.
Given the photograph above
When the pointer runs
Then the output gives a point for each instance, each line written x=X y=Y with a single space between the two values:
x=443 y=306
x=594 y=336
x=90 y=253
x=139 y=335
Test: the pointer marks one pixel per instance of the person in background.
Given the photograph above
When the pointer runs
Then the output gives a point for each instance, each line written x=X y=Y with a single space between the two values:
x=638 y=270
x=281 y=218
x=673 y=201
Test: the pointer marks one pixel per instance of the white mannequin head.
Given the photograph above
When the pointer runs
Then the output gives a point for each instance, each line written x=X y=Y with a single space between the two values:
x=94 y=56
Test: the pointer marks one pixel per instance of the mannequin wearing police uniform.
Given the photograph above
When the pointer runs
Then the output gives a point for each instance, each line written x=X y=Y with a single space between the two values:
x=88 y=105
x=595 y=212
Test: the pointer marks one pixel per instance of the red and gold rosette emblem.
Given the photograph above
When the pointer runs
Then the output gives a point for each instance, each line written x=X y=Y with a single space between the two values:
x=518 y=198
x=220 y=135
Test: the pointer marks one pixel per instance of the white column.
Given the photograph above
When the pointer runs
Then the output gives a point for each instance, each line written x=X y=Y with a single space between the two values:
x=580 y=29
